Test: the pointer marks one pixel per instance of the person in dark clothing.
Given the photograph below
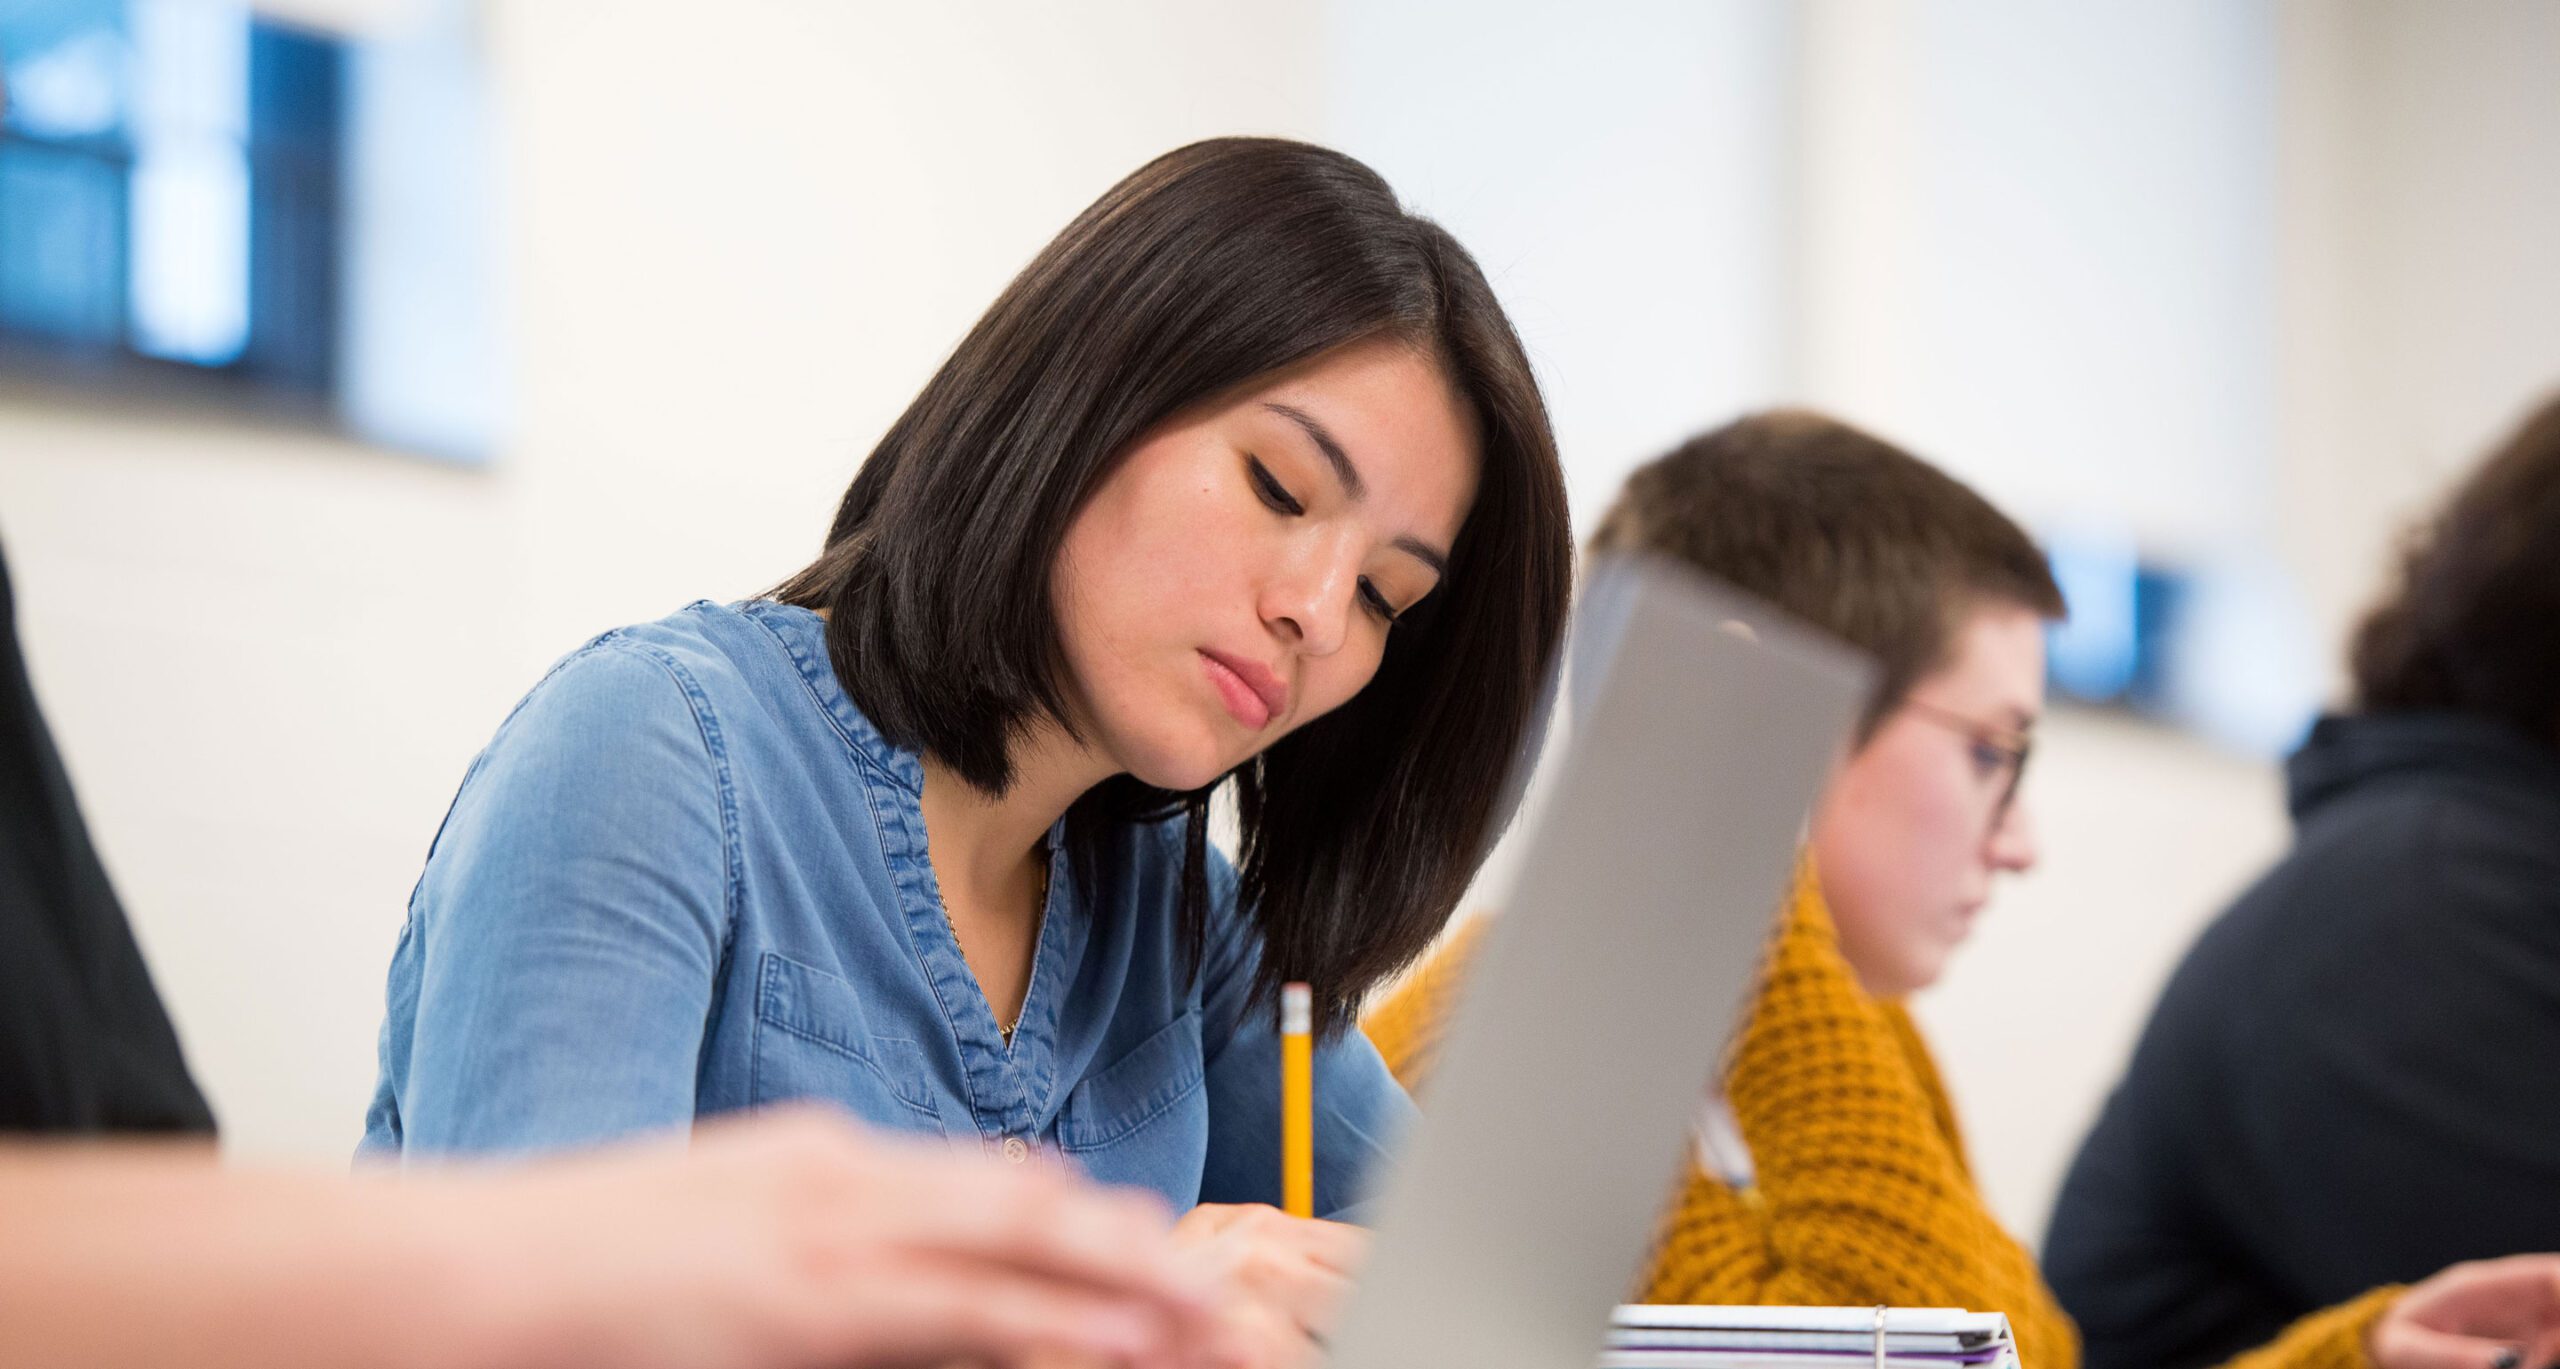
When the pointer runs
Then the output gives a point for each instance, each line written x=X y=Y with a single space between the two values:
x=2348 y=1080
x=85 y=1046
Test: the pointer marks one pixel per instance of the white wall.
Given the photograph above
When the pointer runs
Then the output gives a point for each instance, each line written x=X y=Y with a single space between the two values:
x=2039 y=249
x=1622 y=172
x=2421 y=296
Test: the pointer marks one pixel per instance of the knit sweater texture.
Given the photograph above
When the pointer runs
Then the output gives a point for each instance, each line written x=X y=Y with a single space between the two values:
x=1862 y=1192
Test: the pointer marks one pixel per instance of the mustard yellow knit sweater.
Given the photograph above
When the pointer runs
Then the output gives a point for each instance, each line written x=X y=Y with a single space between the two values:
x=1863 y=1193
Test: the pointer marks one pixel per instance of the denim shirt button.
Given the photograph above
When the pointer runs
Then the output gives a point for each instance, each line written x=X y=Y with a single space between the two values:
x=1015 y=1152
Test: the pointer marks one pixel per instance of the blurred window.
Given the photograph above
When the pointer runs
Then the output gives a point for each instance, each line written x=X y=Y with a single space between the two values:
x=2221 y=646
x=169 y=192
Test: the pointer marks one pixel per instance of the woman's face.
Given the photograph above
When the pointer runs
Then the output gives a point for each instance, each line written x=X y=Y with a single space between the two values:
x=1910 y=832
x=1236 y=574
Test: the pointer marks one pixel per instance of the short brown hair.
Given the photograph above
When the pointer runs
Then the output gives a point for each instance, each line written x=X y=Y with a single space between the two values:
x=1840 y=528
x=2474 y=623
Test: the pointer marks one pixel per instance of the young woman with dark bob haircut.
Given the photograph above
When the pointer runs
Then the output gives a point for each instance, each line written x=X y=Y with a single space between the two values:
x=1244 y=479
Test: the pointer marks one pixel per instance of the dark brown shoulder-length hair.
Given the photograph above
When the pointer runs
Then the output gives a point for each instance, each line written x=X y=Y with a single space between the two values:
x=1208 y=268
x=1840 y=528
x=2473 y=624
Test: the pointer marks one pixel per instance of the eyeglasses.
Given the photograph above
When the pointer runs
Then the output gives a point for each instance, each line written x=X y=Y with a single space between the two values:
x=1997 y=752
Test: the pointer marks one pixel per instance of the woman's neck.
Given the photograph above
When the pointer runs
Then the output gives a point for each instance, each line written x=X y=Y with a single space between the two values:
x=982 y=839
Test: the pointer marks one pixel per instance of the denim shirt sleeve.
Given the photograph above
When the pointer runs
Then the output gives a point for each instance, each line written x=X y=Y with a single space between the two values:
x=572 y=917
x=1360 y=1110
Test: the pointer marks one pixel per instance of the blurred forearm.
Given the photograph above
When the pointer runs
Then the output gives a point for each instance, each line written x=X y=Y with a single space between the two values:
x=153 y=1254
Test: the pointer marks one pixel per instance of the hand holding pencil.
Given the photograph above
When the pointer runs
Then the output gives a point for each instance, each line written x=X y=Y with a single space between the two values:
x=1288 y=1277
x=1291 y=1271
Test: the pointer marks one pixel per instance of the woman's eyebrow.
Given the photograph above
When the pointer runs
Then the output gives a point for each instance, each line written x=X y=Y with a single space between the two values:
x=1349 y=475
x=1340 y=460
x=1426 y=553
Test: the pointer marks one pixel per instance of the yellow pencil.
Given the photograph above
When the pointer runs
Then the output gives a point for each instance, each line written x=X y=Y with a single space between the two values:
x=1297 y=1100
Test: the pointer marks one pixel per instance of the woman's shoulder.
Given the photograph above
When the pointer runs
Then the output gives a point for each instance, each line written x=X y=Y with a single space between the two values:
x=660 y=687
x=700 y=645
x=702 y=657
x=615 y=747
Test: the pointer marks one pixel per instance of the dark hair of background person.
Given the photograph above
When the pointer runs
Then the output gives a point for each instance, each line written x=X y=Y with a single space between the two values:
x=2473 y=626
x=1840 y=528
x=1207 y=269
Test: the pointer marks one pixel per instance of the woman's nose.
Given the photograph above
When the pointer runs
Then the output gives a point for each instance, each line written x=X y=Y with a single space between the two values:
x=1311 y=602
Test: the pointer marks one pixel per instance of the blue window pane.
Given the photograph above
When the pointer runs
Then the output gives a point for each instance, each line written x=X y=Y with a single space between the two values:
x=61 y=228
x=297 y=120
x=2094 y=653
x=170 y=190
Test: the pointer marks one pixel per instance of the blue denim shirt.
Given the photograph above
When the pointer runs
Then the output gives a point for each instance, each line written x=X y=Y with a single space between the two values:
x=688 y=877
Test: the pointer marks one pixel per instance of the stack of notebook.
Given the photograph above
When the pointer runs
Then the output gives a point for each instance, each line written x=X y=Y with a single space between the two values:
x=1647 y=1336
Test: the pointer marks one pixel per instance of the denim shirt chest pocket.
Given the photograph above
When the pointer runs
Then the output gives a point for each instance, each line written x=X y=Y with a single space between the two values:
x=812 y=1040
x=1143 y=1119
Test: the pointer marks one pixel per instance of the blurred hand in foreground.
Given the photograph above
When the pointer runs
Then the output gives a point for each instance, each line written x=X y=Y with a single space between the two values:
x=790 y=1240
x=796 y=1239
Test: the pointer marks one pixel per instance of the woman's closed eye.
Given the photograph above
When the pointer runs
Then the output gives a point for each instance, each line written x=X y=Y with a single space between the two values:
x=1376 y=602
x=1988 y=759
x=1272 y=492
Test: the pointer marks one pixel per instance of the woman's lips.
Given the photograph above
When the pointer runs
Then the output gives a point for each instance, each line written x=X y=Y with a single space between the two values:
x=1246 y=689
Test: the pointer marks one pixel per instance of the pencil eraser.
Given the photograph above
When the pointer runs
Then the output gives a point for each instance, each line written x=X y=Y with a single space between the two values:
x=1297 y=1009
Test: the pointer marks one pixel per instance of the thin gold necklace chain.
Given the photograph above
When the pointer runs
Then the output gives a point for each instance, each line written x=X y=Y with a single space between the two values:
x=1039 y=923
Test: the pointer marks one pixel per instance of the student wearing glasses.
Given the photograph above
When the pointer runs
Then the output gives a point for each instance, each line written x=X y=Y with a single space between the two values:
x=1830 y=1168
x=1244 y=479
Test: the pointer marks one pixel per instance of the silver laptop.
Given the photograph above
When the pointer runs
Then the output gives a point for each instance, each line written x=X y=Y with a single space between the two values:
x=1702 y=726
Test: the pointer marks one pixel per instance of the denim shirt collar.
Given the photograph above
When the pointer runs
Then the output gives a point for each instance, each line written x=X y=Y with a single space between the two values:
x=1024 y=1069
x=804 y=634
